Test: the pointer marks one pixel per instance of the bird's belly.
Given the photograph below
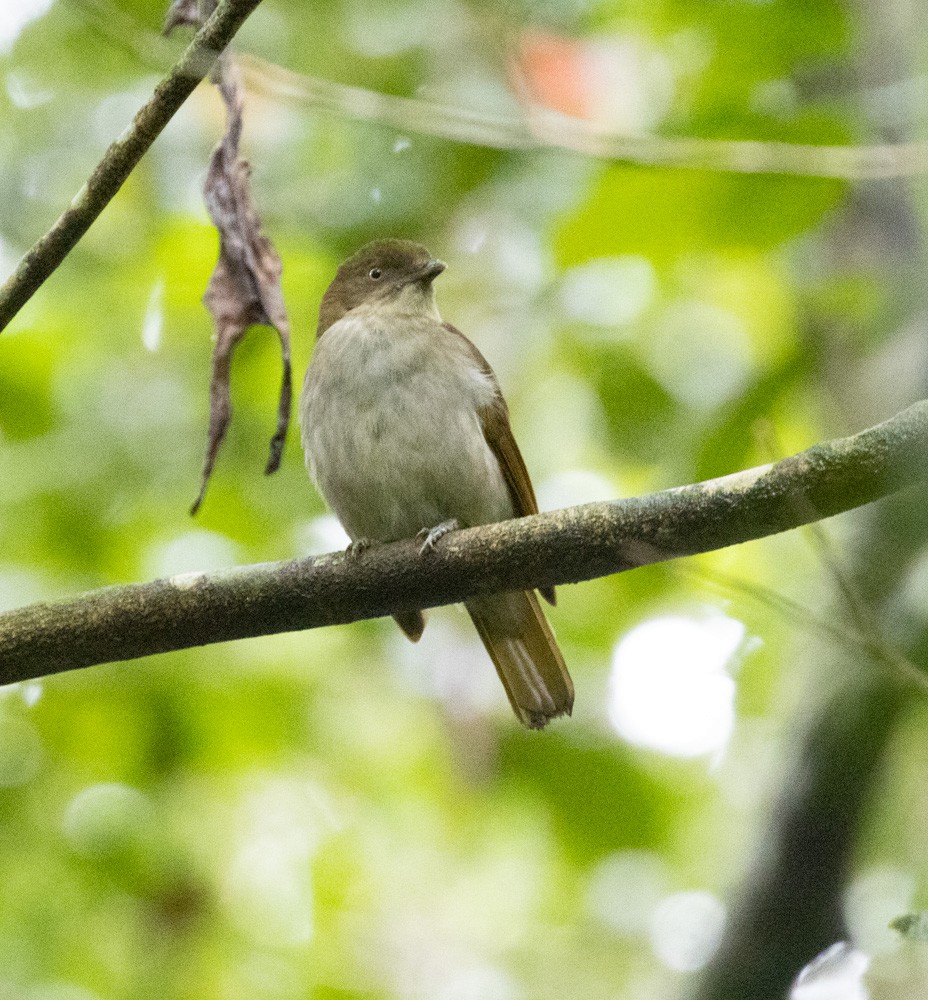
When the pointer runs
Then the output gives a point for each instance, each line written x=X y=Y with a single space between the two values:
x=408 y=456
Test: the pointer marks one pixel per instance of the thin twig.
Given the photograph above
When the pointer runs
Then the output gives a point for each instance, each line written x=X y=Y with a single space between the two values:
x=543 y=128
x=852 y=640
x=867 y=634
x=122 y=157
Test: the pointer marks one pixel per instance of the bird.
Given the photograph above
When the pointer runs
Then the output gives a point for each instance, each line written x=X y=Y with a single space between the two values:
x=406 y=434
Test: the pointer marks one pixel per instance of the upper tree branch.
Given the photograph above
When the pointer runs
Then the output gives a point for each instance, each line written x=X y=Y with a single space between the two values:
x=566 y=546
x=542 y=128
x=537 y=128
x=122 y=156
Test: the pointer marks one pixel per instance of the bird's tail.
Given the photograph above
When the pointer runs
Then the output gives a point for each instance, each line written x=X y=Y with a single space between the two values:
x=526 y=655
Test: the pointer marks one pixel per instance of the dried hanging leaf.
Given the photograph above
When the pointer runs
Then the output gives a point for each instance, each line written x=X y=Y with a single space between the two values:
x=244 y=288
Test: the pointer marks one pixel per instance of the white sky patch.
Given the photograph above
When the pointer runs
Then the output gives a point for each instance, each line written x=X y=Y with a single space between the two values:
x=670 y=689
x=320 y=535
x=153 y=322
x=871 y=901
x=630 y=82
x=442 y=665
x=31 y=693
x=475 y=981
x=23 y=93
x=268 y=885
x=19 y=586
x=268 y=890
x=686 y=929
x=575 y=486
x=836 y=974
x=15 y=15
x=626 y=888
x=609 y=291
x=401 y=144
x=557 y=443
x=471 y=233
x=519 y=257
x=512 y=252
x=112 y=115
x=192 y=552
x=700 y=353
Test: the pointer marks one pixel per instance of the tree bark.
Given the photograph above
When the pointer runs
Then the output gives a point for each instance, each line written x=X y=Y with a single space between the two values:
x=565 y=546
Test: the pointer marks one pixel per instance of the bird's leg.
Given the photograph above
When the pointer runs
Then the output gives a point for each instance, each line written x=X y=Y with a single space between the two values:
x=358 y=546
x=431 y=536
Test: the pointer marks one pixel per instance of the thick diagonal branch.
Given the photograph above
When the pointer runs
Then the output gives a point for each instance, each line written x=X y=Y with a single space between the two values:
x=122 y=156
x=565 y=546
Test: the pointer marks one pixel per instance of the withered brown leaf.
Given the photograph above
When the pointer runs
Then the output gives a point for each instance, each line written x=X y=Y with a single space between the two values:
x=244 y=289
x=245 y=286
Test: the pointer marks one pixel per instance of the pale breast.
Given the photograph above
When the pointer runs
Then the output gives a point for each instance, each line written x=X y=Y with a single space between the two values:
x=391 y=431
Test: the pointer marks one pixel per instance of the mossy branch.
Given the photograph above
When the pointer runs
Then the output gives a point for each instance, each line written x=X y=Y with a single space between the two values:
x=122 y=156
x=565 y=546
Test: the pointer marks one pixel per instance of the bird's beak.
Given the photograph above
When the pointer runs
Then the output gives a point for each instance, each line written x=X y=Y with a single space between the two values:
x=432 y=270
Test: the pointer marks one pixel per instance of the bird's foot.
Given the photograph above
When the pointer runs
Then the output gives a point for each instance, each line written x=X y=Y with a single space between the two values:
x=430 y=537
x=358 y=546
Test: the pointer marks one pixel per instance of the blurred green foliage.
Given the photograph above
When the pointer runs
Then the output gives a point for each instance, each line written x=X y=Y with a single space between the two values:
x=337 y=814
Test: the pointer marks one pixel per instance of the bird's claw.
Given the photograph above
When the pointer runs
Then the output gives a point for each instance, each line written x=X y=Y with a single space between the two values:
x=358 y=547
x=431 y=536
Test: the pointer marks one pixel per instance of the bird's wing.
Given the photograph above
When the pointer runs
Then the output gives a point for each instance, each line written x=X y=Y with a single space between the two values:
x=494 y=418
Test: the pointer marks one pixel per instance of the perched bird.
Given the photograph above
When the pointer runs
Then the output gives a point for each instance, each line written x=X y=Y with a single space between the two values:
x=405 y=433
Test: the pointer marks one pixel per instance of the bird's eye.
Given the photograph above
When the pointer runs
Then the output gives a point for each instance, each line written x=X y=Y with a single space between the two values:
x=374 y=273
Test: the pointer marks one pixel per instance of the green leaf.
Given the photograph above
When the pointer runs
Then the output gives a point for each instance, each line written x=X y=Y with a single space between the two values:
x=664 y=214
